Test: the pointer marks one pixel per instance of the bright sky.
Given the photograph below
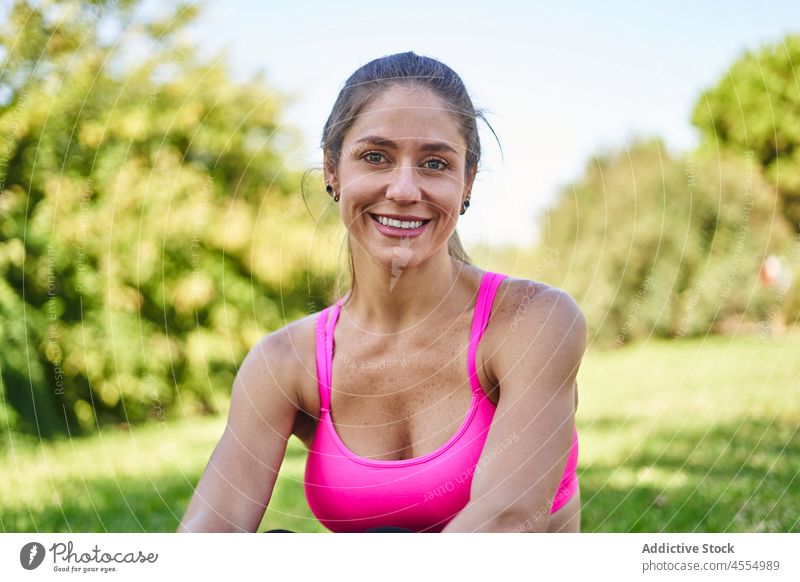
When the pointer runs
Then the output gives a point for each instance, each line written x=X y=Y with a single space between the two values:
x=561 y=79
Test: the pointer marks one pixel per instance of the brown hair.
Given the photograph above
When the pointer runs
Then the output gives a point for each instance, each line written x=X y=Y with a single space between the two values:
x=405 y=68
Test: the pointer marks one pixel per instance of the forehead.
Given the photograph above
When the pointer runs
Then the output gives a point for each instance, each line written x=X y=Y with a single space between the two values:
x=411 y=115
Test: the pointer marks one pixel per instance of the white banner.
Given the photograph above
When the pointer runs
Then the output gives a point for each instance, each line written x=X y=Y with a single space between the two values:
x=397 y=556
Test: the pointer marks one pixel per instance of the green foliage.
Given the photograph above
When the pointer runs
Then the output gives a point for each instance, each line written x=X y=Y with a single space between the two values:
x=151 y=232
x=756 y=107
x=650 y=244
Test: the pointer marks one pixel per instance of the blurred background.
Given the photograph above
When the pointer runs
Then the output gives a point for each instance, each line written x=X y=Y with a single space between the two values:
x=162 y=209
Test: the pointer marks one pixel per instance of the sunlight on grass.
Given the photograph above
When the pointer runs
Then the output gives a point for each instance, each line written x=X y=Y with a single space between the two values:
x=696 y=435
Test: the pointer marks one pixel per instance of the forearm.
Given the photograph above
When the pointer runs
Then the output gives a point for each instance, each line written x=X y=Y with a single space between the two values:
x=477 y=519
x=209 y=511
x=208 y=521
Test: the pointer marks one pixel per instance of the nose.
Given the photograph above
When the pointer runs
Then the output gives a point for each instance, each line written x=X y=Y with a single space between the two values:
x=403 y=185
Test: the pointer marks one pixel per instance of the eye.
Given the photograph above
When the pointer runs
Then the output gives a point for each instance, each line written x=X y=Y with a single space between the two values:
x=375 y=157
x=372 y=155
x=443 y=165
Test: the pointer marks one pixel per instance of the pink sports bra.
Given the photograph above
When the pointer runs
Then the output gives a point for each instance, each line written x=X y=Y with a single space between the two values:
x=350 y=493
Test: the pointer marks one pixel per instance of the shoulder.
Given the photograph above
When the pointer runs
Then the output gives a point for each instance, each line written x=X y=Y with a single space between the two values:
x=283 y=357
x=522 y=301
x=528 y=314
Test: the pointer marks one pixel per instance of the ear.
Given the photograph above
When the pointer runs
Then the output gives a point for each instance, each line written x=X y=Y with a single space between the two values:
x=468 y=181
x=330 y=171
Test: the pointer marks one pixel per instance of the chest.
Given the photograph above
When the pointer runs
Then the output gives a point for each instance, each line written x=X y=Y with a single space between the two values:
x=396 y=398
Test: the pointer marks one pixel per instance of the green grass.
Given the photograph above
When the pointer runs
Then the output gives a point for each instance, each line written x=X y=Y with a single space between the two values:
x=696 y=435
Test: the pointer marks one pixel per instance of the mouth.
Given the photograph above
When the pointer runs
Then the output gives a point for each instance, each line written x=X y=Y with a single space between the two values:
x=398 y=223
x=395 y=227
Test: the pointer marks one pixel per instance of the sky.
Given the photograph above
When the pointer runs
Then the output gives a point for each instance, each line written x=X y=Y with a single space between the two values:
x=560 y=80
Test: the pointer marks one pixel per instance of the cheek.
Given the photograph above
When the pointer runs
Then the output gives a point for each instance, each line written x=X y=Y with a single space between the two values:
x=450 y=205
x=355 y=212
x=350 y=213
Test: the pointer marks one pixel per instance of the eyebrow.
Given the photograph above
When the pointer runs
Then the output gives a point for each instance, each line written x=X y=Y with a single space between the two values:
x=435 y=146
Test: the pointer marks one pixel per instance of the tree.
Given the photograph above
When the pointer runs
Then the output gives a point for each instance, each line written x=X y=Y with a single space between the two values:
x=151 y=233
x=756 y=107
x=649 y=244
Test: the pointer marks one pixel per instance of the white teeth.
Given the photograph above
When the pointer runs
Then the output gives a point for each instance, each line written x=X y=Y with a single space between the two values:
x=397 y=223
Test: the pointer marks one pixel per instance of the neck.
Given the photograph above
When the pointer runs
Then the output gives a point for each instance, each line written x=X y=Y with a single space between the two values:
x=389 y=301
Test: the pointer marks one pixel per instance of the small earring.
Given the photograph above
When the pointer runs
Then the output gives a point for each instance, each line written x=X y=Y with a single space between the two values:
x=329 y=189
x=465 y=205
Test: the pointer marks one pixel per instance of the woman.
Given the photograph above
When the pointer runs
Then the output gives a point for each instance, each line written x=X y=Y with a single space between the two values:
x=433 y=396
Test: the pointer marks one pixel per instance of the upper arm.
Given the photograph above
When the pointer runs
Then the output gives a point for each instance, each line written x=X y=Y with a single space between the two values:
x=536 y=364
x=237 y=484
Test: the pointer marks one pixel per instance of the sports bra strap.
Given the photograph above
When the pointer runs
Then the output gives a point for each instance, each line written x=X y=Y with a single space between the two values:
x=325 y=353
x=480 y=320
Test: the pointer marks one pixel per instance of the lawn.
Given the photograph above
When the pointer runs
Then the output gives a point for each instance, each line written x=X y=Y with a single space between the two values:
x=689 y=436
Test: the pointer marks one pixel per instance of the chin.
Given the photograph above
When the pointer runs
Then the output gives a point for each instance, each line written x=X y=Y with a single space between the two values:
x=395 y=256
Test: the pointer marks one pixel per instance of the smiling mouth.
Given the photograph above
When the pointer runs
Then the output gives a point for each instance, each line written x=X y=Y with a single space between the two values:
x=409 y=224
x=395 y=223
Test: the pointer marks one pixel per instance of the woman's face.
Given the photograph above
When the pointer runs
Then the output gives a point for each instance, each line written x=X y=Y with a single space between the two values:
x=403 y=158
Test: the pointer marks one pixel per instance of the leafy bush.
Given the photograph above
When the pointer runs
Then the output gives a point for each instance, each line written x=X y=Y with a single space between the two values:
x=649 y=244
x=151 y=232
x=754 y=108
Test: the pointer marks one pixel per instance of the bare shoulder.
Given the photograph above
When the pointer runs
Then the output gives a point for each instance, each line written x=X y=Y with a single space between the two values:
x=278 y=359
x=299 y=339
x=528 y=312
x=519 y=300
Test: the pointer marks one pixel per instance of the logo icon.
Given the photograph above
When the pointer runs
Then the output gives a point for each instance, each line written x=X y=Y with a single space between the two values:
x=31 y=555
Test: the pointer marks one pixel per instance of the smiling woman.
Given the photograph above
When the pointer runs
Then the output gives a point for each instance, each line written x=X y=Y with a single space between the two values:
x=477 y=431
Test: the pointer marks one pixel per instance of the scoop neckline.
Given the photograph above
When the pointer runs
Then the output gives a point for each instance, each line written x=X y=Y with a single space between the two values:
x=404 y=462
x=477 y=398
